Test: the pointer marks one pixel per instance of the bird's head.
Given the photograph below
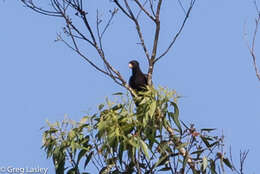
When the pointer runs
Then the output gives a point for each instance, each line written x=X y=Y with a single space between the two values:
x=133 y=64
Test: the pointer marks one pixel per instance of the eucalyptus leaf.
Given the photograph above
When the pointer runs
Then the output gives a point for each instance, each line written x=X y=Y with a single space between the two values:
x=88 y=158
x=208 y=130
x=227 y=162
x=152 y=108
x=164 y=169
x=81 y=154
x=175 y=116
x=205 y=141
x=144 y=148
x=118 y=93
x=204 y=163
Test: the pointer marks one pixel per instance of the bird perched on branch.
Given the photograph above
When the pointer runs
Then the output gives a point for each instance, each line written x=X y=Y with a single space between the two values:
x=138 y=80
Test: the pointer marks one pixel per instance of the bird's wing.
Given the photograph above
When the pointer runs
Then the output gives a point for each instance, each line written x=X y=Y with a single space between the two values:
x=146 y=78
x=131 y=82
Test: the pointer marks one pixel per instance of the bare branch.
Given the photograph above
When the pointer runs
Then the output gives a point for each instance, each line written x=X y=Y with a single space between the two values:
x=84 y=17
x=32 y=6
x=151 y=7
x=81 y=54
x=179 y=31
x=157 y=31
x=109 y=21
x=251 y=47
x=242 y=158
x=140 y=10
x=182 y=7
x=98 y=21
x=144 y=10
x=183 y=152
x=138 y=30
x=155 y=42
x=122 y=9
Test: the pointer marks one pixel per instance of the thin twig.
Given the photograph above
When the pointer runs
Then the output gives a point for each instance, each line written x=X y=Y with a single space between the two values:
x=138 y=29
x=122 y=9
x=179 y=31
x=109 y=21
x=151 y=7
x=251 y=47
x=183 y=9
x=32 y=6
x=144 y=10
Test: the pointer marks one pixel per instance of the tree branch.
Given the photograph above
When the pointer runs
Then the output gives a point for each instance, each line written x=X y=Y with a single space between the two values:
x=122 y=9
x=251 y=47
x=138 y=29
x=144 y=10
x=155 y=42
x=179 y=31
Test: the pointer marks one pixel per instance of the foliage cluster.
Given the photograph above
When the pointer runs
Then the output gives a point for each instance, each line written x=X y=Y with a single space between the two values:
x=122 y=138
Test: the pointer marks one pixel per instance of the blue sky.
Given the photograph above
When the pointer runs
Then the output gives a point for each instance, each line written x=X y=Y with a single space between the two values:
x=209 y=65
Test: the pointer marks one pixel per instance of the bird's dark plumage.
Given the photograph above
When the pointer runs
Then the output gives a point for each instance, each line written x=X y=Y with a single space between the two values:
x=138 y=80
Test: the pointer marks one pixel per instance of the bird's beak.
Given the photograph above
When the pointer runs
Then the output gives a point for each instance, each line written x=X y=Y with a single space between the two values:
x=130 y=65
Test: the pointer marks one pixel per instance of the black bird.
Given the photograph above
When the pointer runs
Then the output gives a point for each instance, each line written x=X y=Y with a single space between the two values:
x=138 y=80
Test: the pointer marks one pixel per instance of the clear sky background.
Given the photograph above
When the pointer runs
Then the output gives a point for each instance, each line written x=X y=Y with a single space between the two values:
x=209 y=65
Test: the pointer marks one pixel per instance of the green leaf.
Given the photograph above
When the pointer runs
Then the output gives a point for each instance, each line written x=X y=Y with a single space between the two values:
x=133 y=143
x=111 y=161
x=175 y=116
x=197 y=152
x=165 y=169
x=116 y=172
x=72 y=134
x=52 y=130
x=227 y=162
x=204 y=163
x=213 y=144
x=101 y=126
x=101 y=106
x=143 y=165
x=212 y=167
x=205 y=141
x=72 y=171
x=59 y=163
x=208 y=130
x=185 y=160
x=162 y=160
x=194 y=171
x=152 y=108
x=118 y=93
x=120 y=153
x=144 y=148
x=88 y=159
x=83 y=120
x=183 y=145
x=117 y=107
x=144 y=100
x=81 y=154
